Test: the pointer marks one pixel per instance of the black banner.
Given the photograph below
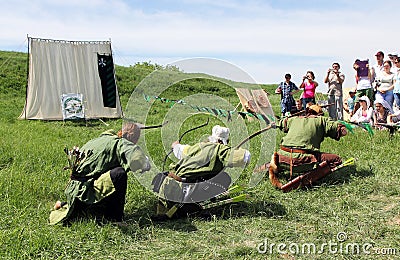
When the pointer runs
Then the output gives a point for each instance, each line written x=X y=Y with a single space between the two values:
x=106 y=74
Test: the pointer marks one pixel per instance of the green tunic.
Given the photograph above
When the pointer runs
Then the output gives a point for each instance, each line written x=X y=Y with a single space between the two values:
x=203 y=160
x=206 y=160
x=306 y=133
x=102 y=155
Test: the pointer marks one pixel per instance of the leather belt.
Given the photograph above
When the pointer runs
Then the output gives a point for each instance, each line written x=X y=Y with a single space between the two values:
x=291 y=151
x=294 y=150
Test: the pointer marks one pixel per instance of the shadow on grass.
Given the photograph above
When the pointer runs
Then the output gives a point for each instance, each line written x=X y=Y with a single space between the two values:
x=82 y=122
x=143 y=217
x=249 y=209
x=186 y=223
x=141 y=230
x=340 y=177
x=344 y=176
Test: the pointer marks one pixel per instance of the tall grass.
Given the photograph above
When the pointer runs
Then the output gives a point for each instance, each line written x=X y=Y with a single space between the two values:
x=362 y=201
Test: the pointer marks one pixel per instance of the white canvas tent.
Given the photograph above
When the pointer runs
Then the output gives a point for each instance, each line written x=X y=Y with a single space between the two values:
x=63 y=67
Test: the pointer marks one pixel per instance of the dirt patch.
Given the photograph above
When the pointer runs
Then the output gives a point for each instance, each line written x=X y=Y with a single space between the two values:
x=395 y=220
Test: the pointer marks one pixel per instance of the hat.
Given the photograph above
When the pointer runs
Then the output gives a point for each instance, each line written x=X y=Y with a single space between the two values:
x=219 y=133
x=393 y=54
x=366 y=99
x=352 y=91
x=379 y=53
x=317 y=109
x=385 y=104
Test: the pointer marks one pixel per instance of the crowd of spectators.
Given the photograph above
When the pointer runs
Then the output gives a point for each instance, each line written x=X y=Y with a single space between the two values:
x=374 y=99
x=380 y=84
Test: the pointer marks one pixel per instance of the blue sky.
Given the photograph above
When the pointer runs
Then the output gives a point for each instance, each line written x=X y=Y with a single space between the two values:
x=266 y=39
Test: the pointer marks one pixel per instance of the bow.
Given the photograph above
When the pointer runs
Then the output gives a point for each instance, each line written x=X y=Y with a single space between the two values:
x=180 y=138
x=255 y=134
x=143 y=126
x=301 y=112
x=392 y=127
x=192 y=129
x=154 y=126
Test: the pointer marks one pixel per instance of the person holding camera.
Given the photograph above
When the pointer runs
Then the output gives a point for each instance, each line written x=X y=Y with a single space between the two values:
x=309 y=86
x=376 y=71
x=363 y=80
x=377 y=68
x=335 y=79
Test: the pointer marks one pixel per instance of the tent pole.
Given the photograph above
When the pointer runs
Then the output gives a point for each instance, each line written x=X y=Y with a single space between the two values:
x=27 y=77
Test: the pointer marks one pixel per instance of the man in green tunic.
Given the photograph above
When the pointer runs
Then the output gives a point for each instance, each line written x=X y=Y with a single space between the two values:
x=99 y=181
x=300 y=148
x=199 y=174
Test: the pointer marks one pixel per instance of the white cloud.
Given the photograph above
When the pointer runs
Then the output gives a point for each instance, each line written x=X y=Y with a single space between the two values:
x=267 y=39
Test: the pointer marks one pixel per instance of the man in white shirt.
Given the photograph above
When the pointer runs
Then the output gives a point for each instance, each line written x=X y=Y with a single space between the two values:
x=334 y=78
x=393 y=56
x=378 y=67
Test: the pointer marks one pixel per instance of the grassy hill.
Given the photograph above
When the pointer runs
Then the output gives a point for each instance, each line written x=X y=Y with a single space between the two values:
x=356 y=207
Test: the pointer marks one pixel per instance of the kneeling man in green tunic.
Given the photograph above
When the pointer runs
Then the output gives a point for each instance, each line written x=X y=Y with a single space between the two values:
x=199 y=175
x=98 y=183
x=300 y=148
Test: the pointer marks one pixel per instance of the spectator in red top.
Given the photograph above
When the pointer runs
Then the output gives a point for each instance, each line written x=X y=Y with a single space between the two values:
x=309 y=86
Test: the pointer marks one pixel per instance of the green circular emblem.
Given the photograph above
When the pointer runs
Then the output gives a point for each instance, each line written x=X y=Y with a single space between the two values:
x=73 y=105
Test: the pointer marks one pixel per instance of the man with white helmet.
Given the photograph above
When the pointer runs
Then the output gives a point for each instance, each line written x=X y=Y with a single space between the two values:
x=199 y=174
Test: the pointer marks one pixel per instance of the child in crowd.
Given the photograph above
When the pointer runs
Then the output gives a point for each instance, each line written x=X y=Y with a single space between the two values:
x=299 y=105
x=350 y=103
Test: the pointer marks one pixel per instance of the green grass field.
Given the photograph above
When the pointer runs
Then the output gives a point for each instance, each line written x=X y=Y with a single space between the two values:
x=354 y=208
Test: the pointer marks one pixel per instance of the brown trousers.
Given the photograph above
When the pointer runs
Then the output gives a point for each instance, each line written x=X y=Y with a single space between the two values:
x=333 y=160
